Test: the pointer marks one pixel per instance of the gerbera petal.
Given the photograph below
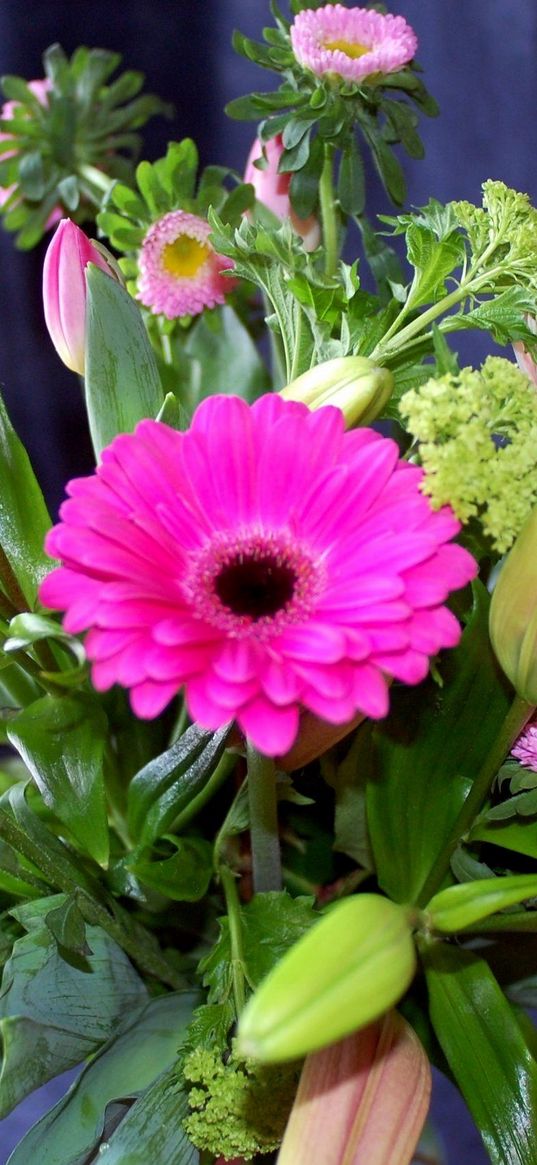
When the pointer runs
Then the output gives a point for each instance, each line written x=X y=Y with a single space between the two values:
x=271 y=729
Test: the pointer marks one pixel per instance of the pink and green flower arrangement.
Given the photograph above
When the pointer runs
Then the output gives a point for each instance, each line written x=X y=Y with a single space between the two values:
x=268 y=799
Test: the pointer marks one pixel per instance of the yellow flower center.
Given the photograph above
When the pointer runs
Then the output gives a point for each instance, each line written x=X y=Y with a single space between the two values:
x=350 y=48
x=184 y=257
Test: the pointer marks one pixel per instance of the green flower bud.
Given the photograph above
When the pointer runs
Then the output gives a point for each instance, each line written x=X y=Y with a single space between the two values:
x=513 y=613
x=352 y=383
x=460 y=906
x=353 y=965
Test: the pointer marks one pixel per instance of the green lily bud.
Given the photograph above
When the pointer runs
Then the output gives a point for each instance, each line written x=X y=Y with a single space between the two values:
x=513 y=613
x=353 y=965
x=352 y=383
x=460 y=906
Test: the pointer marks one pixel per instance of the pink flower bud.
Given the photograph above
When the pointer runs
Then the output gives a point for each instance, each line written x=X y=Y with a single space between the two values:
x=272 y=189
x=524 y=359
x=364 y=1099
x=64 y=291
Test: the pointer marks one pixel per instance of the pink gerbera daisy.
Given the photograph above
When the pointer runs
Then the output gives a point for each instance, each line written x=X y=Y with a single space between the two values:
x=180 y=273
x=525 y=748
x=266 y=560
x=351 y=42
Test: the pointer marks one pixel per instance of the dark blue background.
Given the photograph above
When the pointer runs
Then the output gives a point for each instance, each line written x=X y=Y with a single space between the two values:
x=479 y=61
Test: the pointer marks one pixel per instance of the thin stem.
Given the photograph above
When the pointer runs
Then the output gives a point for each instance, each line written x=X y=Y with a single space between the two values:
x=233 y=907
x=96 y=182
x=517 y=716
x=328 y=211
x=265 y=841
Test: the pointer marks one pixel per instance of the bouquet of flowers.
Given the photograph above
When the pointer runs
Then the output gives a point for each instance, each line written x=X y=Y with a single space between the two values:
x=268 y=841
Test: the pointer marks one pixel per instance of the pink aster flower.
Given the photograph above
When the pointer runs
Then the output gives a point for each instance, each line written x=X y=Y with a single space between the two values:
x=351 y=42
x=525 y=748
x=265 y=560
x=272 y=188
x=180 y=273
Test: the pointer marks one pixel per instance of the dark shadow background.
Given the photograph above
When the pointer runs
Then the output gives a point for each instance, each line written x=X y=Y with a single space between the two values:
x=479 y=61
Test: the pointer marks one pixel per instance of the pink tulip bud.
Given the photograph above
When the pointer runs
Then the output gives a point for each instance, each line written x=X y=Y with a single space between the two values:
x=272 y=189
x=64 y=291
x=364 y=1099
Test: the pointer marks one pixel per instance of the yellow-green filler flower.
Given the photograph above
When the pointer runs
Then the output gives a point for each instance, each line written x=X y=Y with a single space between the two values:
x=478 y=445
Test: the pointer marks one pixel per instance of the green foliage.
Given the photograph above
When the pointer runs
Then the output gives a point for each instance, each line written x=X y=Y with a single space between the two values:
x=83 y=126
x=486 y=1051
x=24 y=520
x=428 y=751
x=62 y=740
x=132 y=1080
x=53 y=1012
x=122 y=381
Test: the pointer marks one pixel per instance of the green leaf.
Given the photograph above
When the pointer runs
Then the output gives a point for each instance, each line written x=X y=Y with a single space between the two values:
x=136 y=1060
x=486 y=1051
x=428 y=751
x=225 y=357
x=183 y=877
x=122 y=381
x=519 y=836
x=502 y=316
x=460 y=906
x=433 y=262
x=210 y=1026
x=351 y=180
x=348 y=779
x=61 y=740
x=54 y=1014
x=67 y=925
x=24 y=520
x=167 y=784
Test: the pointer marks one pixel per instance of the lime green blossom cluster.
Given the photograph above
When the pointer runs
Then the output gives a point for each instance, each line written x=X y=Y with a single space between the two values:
x=239 y=1108
x=478 y=445
x=501 y=232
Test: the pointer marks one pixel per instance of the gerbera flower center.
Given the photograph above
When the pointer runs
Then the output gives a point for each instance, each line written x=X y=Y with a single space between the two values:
x=351 y=48
x=256 y=586
x=255 y=579
x=184 y=257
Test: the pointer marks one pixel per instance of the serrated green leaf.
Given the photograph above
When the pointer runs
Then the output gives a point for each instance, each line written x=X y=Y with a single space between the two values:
x=433 y=262
x=486 y=1051
x=61 y=740
x=271 y=923
x=428 y=751
x=122 y=381
x=53 y=1014
x=130 y=1064
x=210 y=1026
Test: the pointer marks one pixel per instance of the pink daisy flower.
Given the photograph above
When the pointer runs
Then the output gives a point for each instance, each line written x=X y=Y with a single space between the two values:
x=180 y=273
x=351 y=42
x=525 y=748
x=266 y=560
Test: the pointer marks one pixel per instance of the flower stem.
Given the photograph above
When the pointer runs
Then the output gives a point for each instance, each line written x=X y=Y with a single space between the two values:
x=97 y=184
x=266 y=857
x=229 y=886
x=517 y=716
x=328 y=211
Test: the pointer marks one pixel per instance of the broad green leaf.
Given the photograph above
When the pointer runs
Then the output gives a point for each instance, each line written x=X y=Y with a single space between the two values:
x=183 y=877
x=351 y=181
x=53 y=1013
x=24 y=520
x=61 y=740
x=486 y=1051
x=28 y=835
x=167 y=784
x=131 y=1062
x=519 y=836
x=122 y=381
x=152 y=1131
x=460 y=906
x=67 y=925
x=226 y=356
x=348 y=779
x=428 y=751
